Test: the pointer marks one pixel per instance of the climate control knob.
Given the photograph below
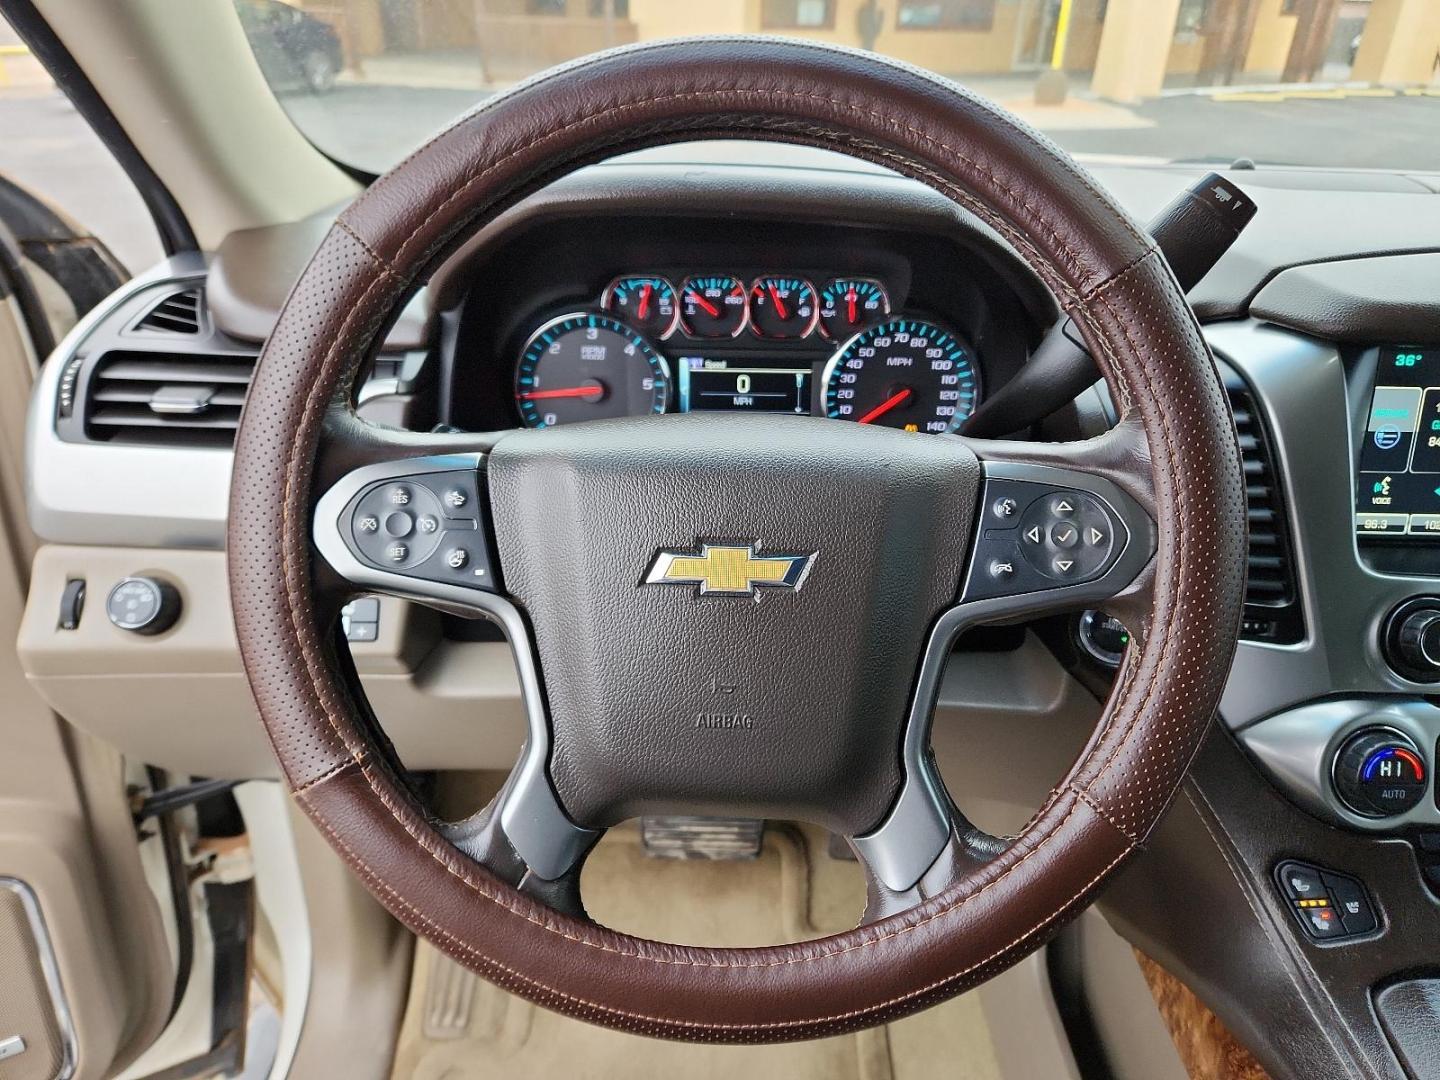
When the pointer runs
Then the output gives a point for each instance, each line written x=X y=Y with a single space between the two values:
x=1412 y=639
x=1380 y=773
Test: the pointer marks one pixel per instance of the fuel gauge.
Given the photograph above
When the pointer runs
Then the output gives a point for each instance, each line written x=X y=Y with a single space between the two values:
x=782 y=307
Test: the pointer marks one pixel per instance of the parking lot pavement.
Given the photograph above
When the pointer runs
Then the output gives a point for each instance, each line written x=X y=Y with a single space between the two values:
x=1352 y=131
x=45 y=146
x=375 y=125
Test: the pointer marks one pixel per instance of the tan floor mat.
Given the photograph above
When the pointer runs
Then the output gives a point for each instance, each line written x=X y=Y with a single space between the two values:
x=458 y=1027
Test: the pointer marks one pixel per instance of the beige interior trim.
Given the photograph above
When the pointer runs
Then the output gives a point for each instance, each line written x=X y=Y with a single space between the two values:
x=361 y=972
x=65 y=828
x=17 y=374
x=180 y=700
x=183 y=83
x=1136 y=1041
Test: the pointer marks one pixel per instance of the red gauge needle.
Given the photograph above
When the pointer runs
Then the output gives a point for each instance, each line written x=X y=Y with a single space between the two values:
x=709 y=307
x=850 y=303
x=588 y=390
x=779 y=304
x=894 y=400
x=645 y=300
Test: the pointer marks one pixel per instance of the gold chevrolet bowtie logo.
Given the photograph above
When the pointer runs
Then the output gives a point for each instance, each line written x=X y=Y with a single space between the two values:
x=728 y=569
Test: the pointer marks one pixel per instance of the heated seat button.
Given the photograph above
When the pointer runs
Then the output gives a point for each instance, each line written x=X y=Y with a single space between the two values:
x=1323 y=922
x=1351 y=903
x=1302 y=882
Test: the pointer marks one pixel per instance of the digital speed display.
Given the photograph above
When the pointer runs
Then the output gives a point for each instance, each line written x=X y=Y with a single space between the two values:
x=744 y=384
x=1398 y=486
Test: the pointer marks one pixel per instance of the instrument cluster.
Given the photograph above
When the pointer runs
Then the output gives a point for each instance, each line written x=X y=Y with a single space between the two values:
x=775 y=344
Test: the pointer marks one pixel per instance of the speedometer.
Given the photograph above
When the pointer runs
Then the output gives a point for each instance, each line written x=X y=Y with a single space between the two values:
x=903 y=373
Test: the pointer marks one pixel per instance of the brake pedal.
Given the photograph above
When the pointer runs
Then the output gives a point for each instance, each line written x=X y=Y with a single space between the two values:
x=679 y=837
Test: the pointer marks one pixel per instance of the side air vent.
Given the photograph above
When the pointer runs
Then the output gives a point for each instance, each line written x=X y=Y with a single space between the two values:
x=166 y=399
x=178 y=313
x=1272 y=603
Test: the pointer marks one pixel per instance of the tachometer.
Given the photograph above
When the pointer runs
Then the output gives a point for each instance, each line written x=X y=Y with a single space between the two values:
x=588 y=367
x=903 y=373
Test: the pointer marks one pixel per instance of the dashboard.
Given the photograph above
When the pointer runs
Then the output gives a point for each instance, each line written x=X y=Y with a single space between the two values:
x=629 y=316
x=1324 y=318
x=750 y=348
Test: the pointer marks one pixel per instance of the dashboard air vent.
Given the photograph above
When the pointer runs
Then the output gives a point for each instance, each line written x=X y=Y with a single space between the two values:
x=178 y=313
x=166 y=399
x=1272 y=602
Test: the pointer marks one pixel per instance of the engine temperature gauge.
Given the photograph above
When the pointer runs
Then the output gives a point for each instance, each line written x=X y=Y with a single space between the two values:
x=713 y=306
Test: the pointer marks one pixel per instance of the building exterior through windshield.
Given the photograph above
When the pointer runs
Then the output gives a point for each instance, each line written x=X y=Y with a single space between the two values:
x=1129 y=49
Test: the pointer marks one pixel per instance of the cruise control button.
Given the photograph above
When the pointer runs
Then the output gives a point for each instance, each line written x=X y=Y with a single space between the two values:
x=427 y=523
x=397 y=553
x=456 y=558
x=367 y=523
x=399 y=524
x=1065 y=535
x=398 y=495
x=456 y=498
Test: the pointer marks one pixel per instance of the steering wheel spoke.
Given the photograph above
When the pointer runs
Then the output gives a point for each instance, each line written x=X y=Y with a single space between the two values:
x=415 y=527
x=1057 y=527
x=1060 y=526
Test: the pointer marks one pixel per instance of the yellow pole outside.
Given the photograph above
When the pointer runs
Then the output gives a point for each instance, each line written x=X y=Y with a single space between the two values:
x=10 y=50
x=1062 y=32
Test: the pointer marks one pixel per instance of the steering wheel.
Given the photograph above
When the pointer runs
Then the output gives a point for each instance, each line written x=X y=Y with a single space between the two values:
x=736 y=615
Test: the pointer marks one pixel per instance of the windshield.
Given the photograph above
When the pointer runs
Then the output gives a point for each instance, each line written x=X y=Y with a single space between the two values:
x=1347 y=83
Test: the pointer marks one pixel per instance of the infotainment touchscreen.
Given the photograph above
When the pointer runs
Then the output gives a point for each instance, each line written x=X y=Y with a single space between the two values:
x=1398 y=486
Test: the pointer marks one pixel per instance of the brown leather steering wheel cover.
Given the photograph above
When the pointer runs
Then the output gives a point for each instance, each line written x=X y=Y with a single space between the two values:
x=1100 y=266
